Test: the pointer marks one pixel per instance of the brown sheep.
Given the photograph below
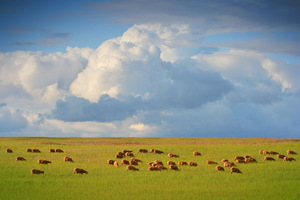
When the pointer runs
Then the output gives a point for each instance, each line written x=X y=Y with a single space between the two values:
x=129 y=154
x=291 y=152
x=158 y=162
x=224 y=160
x=252 y=160
x=247 y=157
x=28 y=150
x=265 y=152
x=289 y=159
x=36 y=151
x=36 y=171
x=261 y=151
x=152 y=150
x=273 y=152
x=269 y=158
x=239 y=158
x=182 y=163
x=150 y=164
x=235 y=170
x=193 y=164
x=20 y=159
x=170 y=155
x=80 y=171
x=116 y=164
x=9 y=151
x=110 y=162
x=195 y=153
x=153 y=169
x=131 y=162
x=161 y=167
x=125 y=162
x=229 y=164
x=45 y=162
x=52 y=150
x=68 y=159
x=173 y=167
x=129 y=167
x=219 y=168
x=59 y=151
x=142 y=151
x=280 y=156
x=125 y=151
x=158 y=151
x=171 y=163
x=137 y=160
x=210 y=162
x=240 y=161
x=119 y=156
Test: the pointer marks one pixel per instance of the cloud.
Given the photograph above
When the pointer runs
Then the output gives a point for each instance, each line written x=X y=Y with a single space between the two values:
x=11 y=120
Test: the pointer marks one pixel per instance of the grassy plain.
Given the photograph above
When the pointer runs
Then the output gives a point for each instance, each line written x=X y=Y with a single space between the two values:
x=262 y=180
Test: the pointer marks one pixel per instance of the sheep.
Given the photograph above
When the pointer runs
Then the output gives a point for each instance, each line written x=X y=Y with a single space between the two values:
x=247 y=157
x=224 y=160
x=119 y=156
x=158 y=162
x=142 y=151
x=280 y=156
x=158 y=151
x=170 y=155
x=229 y=164
x=261 y=151
x=129 y=154
x=182 y=163
x=20 y=159
x=45 y=162
x=161 y=167
x=219 y=168
x=59 y=151
x=173 y=167
x=28 y=150
x=239 y=158
x=68 y=159
x=125 y=151
x=250 y=160
x=171 y=163
x=289 y=159
x=193 y=164
x=273 y=152
x=195 y=153
x=9 y=151
x=125 y=162
x=131 y=162
x=150 y=164
x=269 y=158
x=52 y=150
x=235 y=170
x=291 y=152
x=129 y=167
x=36 y=151
x=210 y=162
x=110 y=162
x=265 y=152
x=137 y=160
x=36 y=171
x=153 y=169
x=240 y=161
x=116 y=164
x=152 y=150
x=80 y=171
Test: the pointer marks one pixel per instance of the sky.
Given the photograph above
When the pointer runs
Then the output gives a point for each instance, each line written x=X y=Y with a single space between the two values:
x=160 y=68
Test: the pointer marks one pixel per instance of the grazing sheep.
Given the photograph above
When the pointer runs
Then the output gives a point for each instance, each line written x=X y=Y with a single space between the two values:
x=52 y=150
x=9 y=151
x=80 y=171
x=291 y=152
x=110 y=162
x=173 y=167
x=125 y=151
x=193 y=164
x=250 y=160
x=45 y=162
x=137 y=160
x=273 y=152
x=195 y=153
x=210 y=162
x=59 y=151
x=129 y=167
x=131 y=162
x=219 y=168
x=280 y=156
x=158 y=162
x=158 y=151
x=182 y=163
x=289 y=159
x=125 y=162
x=265 y=152
x=152 y=150
x=129 y=154
x=68 y=159
x=229 y=164
x=261 y=151
x=170 y=155
x=36 y=171
x=28 y=150
x=239 y=158
x=235 y=170
x=142 y=151
x=150 y=164
x=269 y=158
x=161 y=167
x=240 y=161
x=171 y=163
x=119 y=156
x=224 y=160
x=20 y=159
x=116 y=164
x=153 y=169
x=247 y=157
x=36 y=151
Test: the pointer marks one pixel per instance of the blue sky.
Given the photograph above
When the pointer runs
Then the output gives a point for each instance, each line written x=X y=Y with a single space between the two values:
x=150 y=68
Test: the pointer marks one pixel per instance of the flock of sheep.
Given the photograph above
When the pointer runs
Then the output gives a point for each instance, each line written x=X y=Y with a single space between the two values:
x=158 y=165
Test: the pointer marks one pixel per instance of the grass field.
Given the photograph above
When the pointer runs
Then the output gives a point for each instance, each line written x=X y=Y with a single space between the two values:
x=262 y=180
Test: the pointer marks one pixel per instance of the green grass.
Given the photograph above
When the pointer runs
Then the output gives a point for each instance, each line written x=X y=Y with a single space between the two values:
x=262 y=180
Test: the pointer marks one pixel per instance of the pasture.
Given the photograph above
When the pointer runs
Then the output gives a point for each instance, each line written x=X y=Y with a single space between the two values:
x=262 y=180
